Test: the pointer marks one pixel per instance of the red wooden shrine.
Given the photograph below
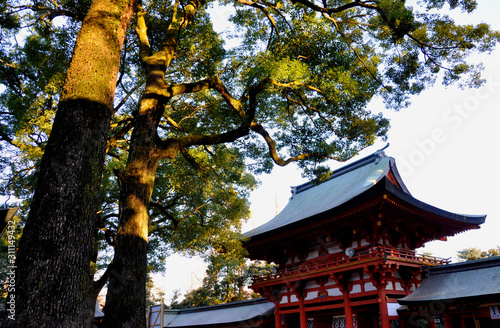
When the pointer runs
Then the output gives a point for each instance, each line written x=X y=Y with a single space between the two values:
x=345 y=248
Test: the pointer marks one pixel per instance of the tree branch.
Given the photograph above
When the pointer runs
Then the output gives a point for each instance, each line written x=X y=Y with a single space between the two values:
x=165 y=213
x=101 y=282
x=141 y=30
x=5 y=137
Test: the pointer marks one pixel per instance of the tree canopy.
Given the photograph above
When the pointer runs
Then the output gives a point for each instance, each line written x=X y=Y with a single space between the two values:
x=226 y=280
x=196 y=110
x=471 y=254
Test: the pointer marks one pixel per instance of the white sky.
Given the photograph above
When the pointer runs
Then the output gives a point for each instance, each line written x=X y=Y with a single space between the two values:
x=447 y=150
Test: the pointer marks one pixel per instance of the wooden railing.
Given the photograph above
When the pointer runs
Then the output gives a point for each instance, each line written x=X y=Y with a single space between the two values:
x=338 y=260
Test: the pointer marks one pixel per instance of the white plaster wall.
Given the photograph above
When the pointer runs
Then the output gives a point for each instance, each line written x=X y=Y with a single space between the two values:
x=356 y=289
x=392 y=308
x=330 y=282
x=334 y=249
x=334 y=292
x=283 y=292
x=313 y=254
x=311 y=295
x=369 y=286
x=311 y=284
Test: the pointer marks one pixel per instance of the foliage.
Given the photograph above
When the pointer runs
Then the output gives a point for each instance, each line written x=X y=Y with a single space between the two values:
x=226 y=280
x=472 y=253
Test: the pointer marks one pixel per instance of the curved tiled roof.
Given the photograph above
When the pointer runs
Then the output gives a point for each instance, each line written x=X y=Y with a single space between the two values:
x=236 y=312
x=453 y=282
x=344 y=184
x=369 y=174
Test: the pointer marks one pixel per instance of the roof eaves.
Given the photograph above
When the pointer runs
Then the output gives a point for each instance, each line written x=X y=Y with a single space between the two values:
x=397 y=176
x=462 y=218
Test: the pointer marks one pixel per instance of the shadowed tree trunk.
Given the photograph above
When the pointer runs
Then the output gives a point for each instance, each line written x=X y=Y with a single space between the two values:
x=53 y=275
x=126 y=296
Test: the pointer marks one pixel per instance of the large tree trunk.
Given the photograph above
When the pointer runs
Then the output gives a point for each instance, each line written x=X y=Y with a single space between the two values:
x=53 y=277
x=126 y=296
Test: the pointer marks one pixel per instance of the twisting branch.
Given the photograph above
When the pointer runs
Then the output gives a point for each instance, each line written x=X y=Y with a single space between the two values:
x=101 y=282
x=119 y=136
x=166 y=214
x=108 y=234
x=264 y=10
x=172 y=90
x=141 y=30
x=5 y=137
x=172 y=146
x=127 y=96
x=335 y=10
x=258 y=128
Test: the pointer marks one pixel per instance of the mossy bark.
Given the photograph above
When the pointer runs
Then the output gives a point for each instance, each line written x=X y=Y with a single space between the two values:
x=53 y=277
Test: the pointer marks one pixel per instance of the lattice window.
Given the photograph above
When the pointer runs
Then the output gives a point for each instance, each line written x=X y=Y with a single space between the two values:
x=339 y=321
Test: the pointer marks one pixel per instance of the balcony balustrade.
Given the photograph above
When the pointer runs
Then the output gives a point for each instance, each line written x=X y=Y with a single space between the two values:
x=339 y=260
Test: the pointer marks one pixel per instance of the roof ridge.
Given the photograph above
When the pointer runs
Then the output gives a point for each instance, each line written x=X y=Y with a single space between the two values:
x=375 y=157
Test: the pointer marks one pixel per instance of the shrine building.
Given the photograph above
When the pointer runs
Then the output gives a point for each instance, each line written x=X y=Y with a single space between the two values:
x=346 y=247
x=345 y=255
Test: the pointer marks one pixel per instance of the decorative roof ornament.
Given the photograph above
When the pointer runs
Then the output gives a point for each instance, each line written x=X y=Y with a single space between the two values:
x=379 y=154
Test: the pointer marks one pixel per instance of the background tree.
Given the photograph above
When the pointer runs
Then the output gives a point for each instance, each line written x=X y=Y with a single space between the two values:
x=226 y=280
x=296 y=87
x=471 y=254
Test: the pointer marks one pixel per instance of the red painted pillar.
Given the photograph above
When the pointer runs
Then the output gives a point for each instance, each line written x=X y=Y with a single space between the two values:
x=462 y=322
x=448 y=320
x=277 y=315
x=349 y=323
x=303 y=315
x=382 y=305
